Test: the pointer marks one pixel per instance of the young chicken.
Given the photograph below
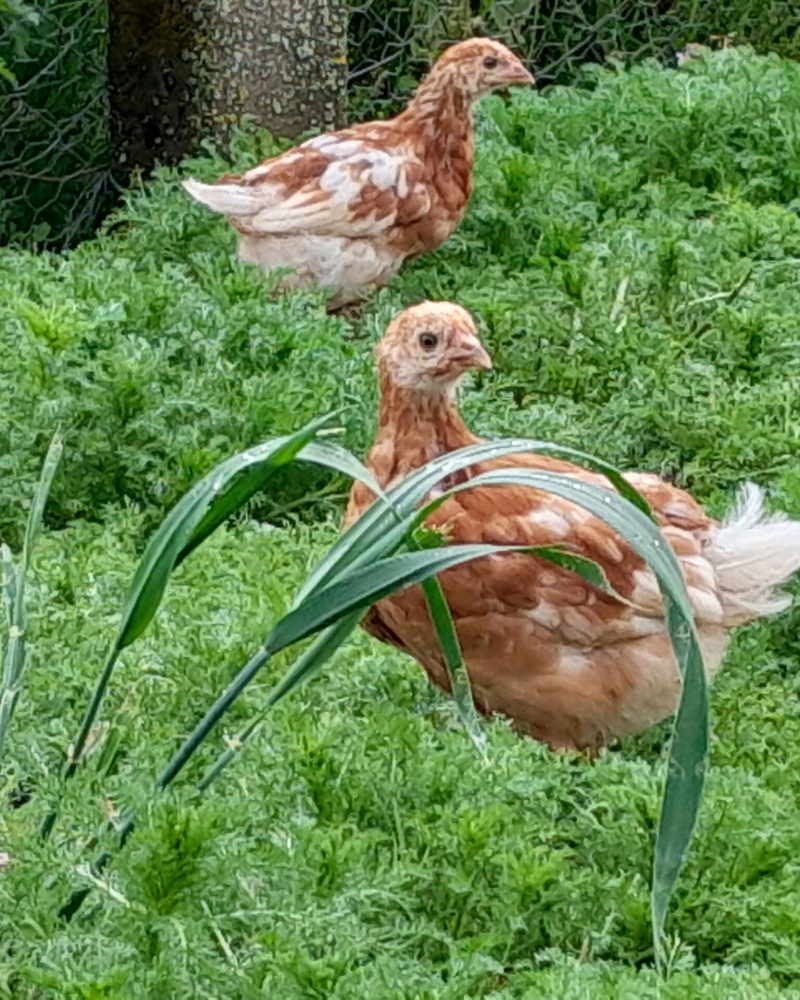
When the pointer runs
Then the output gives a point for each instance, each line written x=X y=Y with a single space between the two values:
x=345 y=209
x=568 y=663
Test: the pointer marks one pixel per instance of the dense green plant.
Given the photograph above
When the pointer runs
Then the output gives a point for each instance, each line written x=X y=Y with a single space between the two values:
x=636 y=246
x=631 y=253
x=357 y=812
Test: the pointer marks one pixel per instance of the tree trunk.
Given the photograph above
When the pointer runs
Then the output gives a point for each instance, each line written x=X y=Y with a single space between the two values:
x=182 y=70
x=282 y=61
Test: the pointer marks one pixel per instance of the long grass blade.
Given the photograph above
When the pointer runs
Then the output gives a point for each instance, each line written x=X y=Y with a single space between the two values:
x=245 y=484
x=641 y=533
x=204 y=507
x=12 y=657
x=204 y=502
x=686 y=771
x=688 y=753
x=460 y=686
x=408 y=494
x=307 y=664
x=15 y=579
x=15 y=650
x=34 y=524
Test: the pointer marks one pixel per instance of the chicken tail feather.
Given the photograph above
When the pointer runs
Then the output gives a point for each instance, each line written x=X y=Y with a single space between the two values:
x=225 y=198
x=753 y=553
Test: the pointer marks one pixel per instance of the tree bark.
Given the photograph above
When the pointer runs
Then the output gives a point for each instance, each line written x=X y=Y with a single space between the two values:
x=282 y=61
x=182 y=70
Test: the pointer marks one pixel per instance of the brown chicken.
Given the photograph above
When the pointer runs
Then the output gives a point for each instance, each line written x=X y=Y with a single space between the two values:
x=345 y=209
x=570 y=664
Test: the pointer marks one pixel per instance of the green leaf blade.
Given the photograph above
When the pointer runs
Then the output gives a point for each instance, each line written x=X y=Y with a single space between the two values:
x=15 y=579
x=407 y=495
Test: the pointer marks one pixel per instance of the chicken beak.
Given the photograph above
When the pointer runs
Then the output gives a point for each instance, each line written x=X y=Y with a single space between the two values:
x=518 y=74
x=473 y=354
x=482 y=359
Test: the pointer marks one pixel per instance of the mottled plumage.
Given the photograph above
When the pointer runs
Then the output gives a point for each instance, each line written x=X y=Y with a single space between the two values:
x=571 y=665
x=345 y=209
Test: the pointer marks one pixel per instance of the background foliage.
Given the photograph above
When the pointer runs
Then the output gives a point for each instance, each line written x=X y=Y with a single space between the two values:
x=392 y=41
x=56 y=164
x=631 y=252
x=637 y=241
x=55 y=156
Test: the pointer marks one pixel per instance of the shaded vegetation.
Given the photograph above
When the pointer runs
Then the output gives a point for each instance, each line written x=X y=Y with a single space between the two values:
x=56 y=156
x=392 y=41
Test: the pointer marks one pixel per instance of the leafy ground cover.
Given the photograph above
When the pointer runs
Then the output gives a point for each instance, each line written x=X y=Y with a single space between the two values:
x=632 y=253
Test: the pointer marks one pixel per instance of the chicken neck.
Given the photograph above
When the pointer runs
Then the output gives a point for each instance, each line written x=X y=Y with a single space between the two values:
x=415 y=427
x=441 y=113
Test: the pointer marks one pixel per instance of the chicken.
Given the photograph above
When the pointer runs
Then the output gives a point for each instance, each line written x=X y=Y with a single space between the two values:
x=345 y=209
x=570 y=664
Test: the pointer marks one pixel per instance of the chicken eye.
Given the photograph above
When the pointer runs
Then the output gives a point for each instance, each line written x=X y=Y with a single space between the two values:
x=428 y=341
x=490 y=62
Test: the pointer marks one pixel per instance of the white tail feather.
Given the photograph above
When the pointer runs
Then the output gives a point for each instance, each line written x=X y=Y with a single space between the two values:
x=752 y=554
x=228 y=199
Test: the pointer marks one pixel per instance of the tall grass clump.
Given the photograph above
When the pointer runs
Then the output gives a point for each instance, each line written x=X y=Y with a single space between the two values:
x=378 y=556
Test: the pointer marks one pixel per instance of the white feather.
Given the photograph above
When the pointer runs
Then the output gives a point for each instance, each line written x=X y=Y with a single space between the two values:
x=753 y=553
x=341 y=183
x=228 y=199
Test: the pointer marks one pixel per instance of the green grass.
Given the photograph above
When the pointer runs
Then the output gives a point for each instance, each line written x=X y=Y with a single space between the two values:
x=632 y=253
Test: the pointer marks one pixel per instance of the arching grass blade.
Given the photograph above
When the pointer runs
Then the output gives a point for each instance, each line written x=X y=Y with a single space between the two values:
x=406 y=496
x=688 y=754
x=307 y=664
